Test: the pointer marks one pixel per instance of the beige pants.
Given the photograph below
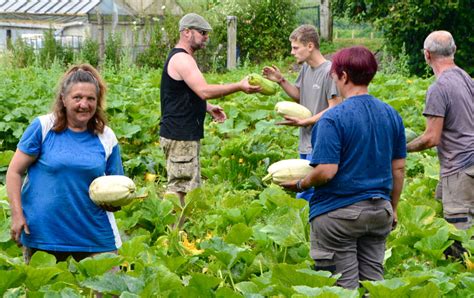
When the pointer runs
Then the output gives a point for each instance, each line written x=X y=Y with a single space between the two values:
x=458 y=198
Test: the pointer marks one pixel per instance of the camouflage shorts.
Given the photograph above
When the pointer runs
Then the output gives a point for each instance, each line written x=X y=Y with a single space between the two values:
x=458 y=198
x=182 y=164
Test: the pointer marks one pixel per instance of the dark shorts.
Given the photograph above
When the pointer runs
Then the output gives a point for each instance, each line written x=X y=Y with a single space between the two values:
x=60 y=256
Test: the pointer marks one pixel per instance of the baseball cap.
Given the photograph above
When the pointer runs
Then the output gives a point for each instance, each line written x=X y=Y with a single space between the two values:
x=194 y=21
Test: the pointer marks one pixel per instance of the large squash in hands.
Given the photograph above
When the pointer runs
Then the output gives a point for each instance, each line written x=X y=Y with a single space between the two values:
x=292 y=109
x=113 y=190
x=288 y=170
x=268 y=87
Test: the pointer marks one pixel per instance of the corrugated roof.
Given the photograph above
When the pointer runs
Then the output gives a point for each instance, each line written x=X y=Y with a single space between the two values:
x=52 y=7
x=63 y=7
x=26 y=6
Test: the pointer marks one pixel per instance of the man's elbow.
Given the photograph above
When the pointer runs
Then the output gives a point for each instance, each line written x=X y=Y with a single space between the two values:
x=329 y=173
x=203 y=95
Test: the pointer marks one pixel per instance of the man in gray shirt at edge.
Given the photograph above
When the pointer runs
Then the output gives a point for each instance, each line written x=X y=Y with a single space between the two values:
x=449 y=113
x=314 y=87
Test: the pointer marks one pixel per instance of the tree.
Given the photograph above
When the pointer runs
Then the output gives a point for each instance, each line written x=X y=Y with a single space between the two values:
x=408 y=22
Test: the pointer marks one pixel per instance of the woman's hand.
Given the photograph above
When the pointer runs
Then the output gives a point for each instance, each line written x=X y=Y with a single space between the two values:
x=17 y=226
x=290 y=185
x=110 y=208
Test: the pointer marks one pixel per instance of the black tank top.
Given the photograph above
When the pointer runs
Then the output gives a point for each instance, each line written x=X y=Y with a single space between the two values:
x=182 y=110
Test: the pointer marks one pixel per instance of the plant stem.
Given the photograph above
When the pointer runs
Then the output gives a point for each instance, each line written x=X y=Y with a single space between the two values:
x=232 y=280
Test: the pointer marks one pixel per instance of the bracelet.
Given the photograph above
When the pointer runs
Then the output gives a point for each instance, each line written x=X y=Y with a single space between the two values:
x=281 y=80
x=298 y=186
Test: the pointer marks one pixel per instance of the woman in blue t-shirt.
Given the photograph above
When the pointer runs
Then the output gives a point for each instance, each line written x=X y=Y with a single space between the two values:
x=358 y=158
x=62 y=153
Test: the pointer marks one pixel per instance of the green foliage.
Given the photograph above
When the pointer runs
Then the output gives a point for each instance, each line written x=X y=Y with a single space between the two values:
x=409 y=22
x=264 y=27
x=51 y=50
x=240 y=237
x=395 y=65
x=113 y=50
x=22 y=54
x=162 y=34
x=375 y=45
x=90 y=52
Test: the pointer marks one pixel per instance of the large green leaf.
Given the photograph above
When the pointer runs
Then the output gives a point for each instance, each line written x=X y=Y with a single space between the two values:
x=6 y=157
x=114 y=283
x=395 y=287
x=293 y=275
x=248 y=288
x=98 y=265
x=4 y=230
x=203 y=283
x=134 y=247
x=37 y=277
x=435 y=245
x=42 y=259
x=10 y=279
x=281 y=232
x=239 y=234
x=325 y=292
x=228 y=254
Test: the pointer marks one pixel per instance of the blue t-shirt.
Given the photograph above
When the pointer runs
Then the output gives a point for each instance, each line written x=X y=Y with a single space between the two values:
x=55 y=196
x=362 y=136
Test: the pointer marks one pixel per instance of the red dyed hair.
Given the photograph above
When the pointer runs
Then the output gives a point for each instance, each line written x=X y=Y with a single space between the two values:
x=358 y=62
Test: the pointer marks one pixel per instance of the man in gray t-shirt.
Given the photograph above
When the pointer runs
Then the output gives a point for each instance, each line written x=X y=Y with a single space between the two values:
x=317 y=92
x=449 y=113
x=314 y=87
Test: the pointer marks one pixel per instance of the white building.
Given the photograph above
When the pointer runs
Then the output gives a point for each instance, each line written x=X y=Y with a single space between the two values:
x=74 y=20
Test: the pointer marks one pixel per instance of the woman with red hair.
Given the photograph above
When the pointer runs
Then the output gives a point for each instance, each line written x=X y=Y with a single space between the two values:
x=358 y=158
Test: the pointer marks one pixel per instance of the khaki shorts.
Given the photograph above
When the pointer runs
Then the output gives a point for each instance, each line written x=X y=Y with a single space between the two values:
x=182 y=164
x=458 y=198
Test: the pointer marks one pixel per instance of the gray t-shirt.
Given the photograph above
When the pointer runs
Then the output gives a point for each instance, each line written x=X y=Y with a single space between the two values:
x=316 y=87
x=451 y=97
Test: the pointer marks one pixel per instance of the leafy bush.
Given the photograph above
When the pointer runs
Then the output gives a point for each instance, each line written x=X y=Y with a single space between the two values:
x=51 y=49
x=163 y=34
x=409 y=22
x=264 y=27
x=113 y=49
x=90 y=52
x=22 y=54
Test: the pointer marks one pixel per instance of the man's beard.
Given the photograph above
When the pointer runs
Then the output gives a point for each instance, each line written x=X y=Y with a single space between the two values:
x=196 y=46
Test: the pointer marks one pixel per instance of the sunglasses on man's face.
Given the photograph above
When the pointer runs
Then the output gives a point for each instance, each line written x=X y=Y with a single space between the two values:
x=202 y=32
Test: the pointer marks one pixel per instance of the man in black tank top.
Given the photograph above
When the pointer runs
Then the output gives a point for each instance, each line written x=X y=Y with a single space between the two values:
x=183 y=96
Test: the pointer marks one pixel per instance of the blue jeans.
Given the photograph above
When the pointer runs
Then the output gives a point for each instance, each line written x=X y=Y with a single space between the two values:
x=307 y=194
